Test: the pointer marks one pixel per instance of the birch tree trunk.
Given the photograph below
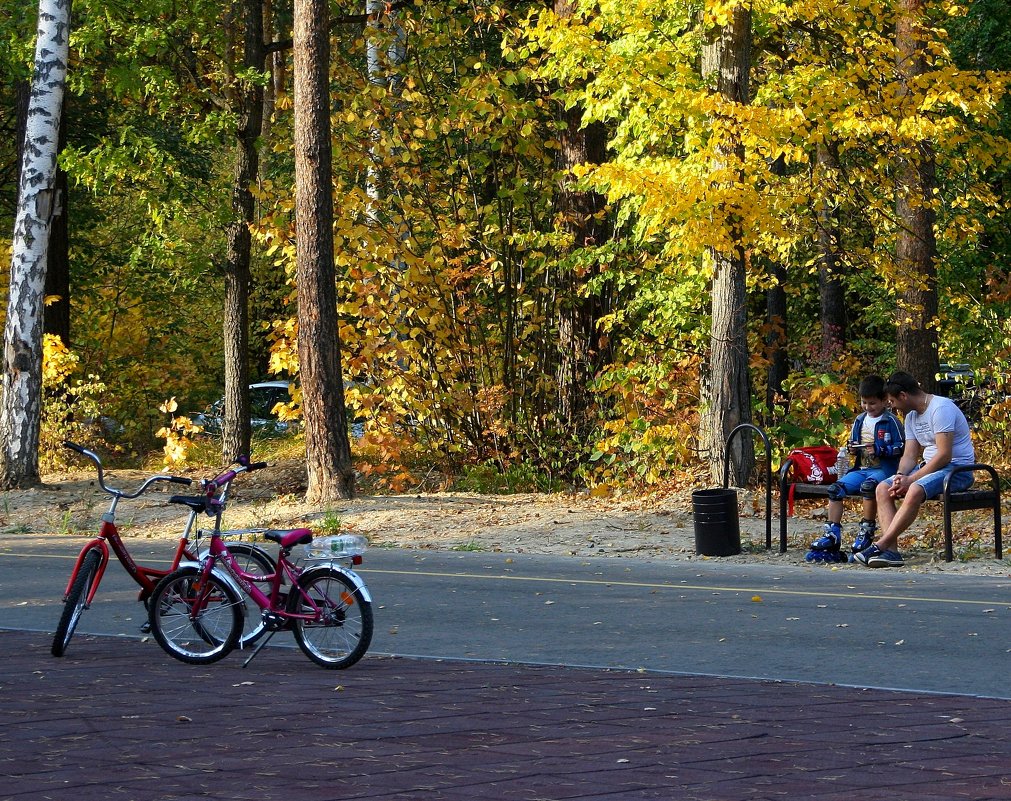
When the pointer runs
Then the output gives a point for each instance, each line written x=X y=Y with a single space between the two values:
x=726 y=390
x=916 y=246
x=328 y=451
x=21 y=406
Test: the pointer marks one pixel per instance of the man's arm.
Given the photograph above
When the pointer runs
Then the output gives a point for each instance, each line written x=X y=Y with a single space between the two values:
x=945 y=441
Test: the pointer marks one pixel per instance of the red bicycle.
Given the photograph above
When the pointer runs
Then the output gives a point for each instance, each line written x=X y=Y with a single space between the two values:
x=94 y=556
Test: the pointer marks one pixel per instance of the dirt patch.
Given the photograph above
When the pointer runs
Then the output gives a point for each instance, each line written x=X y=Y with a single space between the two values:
x=563 y=524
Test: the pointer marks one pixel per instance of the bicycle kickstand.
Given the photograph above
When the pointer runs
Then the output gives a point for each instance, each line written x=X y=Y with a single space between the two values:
x=259 y=645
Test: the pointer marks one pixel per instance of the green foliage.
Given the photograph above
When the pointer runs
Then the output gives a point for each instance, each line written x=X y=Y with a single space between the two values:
x=451 y=253
x=490 y=478
x=328 y=525
x=70 y=407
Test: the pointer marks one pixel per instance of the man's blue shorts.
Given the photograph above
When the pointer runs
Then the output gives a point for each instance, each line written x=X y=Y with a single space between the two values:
x=933 y=483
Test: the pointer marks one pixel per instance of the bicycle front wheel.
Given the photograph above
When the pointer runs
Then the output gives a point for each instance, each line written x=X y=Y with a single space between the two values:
x=194 y=618
x=340 y=630
x=74 y=606
x=253 y=559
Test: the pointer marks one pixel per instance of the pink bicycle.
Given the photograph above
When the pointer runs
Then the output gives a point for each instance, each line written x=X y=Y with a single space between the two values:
x=94 y=556
x=198 y=612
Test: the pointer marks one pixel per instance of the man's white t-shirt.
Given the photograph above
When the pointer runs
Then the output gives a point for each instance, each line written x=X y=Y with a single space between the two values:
x=941 y=416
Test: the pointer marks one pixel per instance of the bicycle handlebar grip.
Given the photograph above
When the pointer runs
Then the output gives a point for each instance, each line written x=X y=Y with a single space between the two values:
x=257 y=466
x=180 y=480
x=73 y=446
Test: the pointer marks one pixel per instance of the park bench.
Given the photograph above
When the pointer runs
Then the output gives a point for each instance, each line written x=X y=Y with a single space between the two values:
x=953 y=502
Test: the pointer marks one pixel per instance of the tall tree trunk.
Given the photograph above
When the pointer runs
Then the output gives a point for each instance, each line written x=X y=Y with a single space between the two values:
x=916 y=247
x=726 y=391
x=235 y=435
x=776 y=332
x=21 y=406
x=56 y=313
x=830 y=286
x=328 y=451
x=776 y=338
x=578 y=312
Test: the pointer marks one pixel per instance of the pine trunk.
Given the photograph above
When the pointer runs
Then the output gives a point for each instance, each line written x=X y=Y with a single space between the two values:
x=21 y=409
x=236 y=434
x=328 y=451
x=726 y=391
x=916 y=247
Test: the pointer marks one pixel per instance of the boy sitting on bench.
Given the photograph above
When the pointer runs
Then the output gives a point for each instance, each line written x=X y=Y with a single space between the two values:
x=876 y=440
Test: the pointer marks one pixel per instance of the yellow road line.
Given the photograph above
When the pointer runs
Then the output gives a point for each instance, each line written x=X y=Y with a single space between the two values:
x=698 y=587
x=639 y=584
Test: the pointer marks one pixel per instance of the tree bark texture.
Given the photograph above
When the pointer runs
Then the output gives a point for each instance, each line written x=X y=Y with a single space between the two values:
x=21 y=407
x=56 y=315
x=328 y=451
x=726 y=391
x=578 y=313
x=916 y=246
x=236 y=435
x=776 y=338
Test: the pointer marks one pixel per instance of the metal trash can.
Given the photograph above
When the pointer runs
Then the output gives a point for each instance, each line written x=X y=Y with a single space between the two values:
x=717 y=527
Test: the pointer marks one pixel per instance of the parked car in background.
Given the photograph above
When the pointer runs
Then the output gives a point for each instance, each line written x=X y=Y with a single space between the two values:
x=263 y=397
x=973 y=394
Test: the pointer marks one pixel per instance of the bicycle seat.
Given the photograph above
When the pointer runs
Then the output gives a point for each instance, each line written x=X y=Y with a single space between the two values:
x=286 y=538
x=198 y=503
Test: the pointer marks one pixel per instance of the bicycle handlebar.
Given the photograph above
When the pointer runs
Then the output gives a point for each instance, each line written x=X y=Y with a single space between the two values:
x=118 y=492
x=226 y=478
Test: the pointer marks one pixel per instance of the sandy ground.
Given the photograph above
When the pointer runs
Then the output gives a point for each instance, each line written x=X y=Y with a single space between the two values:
x=70 y=504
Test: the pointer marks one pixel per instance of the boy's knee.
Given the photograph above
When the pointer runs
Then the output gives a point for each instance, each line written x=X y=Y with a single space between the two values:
x=836 y=492
x=869 y=488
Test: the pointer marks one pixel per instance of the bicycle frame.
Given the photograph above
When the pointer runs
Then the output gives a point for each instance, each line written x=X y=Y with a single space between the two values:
x=146 y=577
x=275 y=603
x=108 y=534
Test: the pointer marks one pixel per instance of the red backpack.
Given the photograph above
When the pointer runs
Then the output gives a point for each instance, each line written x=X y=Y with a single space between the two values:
x=813 y=465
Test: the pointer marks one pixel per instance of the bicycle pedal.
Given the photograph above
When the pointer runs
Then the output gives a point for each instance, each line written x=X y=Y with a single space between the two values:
x=146 y=627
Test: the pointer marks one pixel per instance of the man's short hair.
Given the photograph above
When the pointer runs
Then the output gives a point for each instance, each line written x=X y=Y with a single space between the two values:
x=872 y=386
x=902 y=382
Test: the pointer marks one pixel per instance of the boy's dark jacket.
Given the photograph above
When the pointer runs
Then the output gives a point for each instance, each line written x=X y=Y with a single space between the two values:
x=887 y=452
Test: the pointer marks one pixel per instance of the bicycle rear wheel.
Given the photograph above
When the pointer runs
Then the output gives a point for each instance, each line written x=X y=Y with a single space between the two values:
x=74 y=605
x=341 y=632
x=194 y=618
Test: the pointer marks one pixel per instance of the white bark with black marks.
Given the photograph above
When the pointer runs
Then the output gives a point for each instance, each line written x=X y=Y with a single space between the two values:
x=21 y=407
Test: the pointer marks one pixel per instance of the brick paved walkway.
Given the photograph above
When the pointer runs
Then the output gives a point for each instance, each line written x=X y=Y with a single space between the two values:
x=118 y=719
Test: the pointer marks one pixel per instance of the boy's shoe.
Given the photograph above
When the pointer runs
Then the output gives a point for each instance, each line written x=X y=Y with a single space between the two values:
x=865 y=536
x=868 y=553
x=830 y=540
x=829 y=557
x=885 y=559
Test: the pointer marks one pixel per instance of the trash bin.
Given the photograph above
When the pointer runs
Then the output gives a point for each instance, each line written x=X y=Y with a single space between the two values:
x=717 y=527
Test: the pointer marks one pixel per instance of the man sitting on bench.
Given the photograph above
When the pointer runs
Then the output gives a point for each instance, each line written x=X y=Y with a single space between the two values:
x=937 y=441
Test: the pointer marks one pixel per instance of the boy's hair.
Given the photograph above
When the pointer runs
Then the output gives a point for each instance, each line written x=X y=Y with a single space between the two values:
x=902 y=382
x=872 y=386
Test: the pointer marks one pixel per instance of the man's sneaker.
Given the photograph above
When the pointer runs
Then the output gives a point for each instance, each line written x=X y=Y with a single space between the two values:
x=830 y=540
x=868 y=553
x=865 y=536
x=885 y=559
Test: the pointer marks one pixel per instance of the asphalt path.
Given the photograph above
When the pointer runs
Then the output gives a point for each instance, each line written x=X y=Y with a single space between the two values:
x=847 y=626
